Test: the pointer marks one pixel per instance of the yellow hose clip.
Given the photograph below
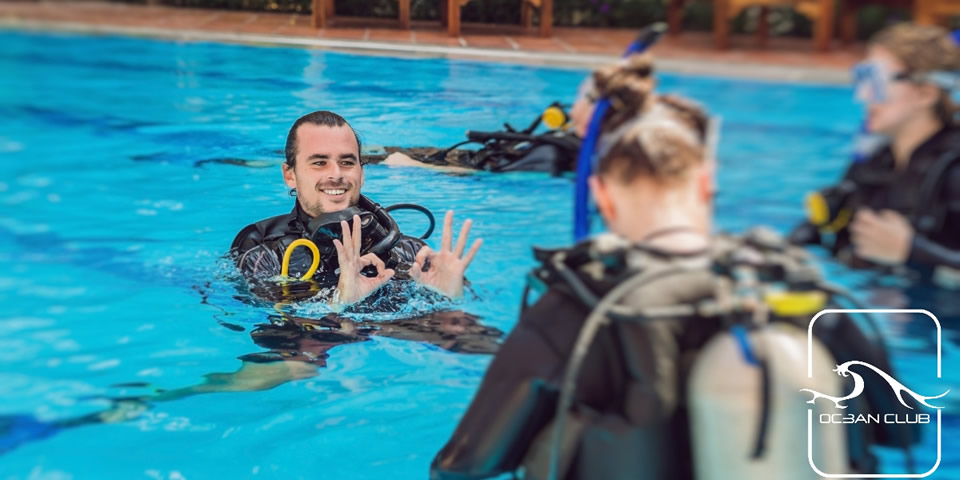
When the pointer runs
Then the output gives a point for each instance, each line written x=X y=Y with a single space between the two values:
x=554 y=117
x=795 y=304
x=818 y=212
x=301 y=242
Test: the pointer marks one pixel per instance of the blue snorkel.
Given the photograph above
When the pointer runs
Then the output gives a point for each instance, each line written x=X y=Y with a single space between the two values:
x=581 y=199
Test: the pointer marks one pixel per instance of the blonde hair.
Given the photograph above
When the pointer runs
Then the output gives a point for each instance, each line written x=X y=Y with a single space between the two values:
x=644 y=134
x=924 y=50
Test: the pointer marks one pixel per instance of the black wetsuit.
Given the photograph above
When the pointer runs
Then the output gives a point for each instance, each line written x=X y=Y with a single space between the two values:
x=518 y=396
x=631 y=387
x=258 y=249
x=879 y=186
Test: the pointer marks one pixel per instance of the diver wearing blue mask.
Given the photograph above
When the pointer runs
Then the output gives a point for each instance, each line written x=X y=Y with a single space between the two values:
x=898 y=205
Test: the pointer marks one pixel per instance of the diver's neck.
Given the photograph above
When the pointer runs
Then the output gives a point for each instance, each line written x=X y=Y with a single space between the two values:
x=913 y=134
x=302 y=213
x=670 y=222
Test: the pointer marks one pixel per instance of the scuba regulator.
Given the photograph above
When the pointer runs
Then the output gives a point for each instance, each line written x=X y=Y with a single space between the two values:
x=831 y=209
x=555 y=117
x=379 y=233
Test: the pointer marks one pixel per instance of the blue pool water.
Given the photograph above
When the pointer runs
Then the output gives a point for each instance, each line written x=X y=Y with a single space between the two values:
x=113 y=219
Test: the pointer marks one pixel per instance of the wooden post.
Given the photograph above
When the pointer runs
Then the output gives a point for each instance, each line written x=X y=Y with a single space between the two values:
x=453 y=17
x=526 y=14
x=404 y=13
x=546 y=18
x=848 y=22
x=923 y=13
x=331 y=9
x=823 y=27
x=318 y=15
x=721 y=24
x=674 y=17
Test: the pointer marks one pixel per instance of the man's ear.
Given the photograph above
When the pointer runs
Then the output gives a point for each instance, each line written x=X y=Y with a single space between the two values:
x=706 y=183
x=603 y=199
x=289 y=176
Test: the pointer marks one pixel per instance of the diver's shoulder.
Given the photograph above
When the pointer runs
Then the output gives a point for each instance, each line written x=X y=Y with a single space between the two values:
x=261 y=231
x=557 y=313
x=569 y=279
x=946 y=166
x=952 y=134
x=947 y=141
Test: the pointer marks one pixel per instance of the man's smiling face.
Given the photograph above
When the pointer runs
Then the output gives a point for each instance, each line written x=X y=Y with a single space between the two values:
x=327 y=172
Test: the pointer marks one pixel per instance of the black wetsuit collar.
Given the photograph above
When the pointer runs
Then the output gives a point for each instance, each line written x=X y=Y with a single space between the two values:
x=299 y=219
x=946 y=138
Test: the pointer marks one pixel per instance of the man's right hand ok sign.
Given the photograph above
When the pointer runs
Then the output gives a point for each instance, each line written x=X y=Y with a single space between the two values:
x=353 y=286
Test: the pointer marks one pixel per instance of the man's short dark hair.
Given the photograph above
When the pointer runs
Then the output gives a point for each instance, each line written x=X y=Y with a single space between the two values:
x=323 y=118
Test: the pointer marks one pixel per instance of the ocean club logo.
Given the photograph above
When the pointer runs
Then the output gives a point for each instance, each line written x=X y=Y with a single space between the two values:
x=898 y=389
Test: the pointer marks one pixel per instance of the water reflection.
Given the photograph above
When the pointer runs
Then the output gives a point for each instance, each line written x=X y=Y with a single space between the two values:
x=295 y=347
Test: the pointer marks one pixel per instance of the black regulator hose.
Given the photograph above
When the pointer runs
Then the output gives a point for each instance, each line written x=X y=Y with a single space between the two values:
x=421 y=209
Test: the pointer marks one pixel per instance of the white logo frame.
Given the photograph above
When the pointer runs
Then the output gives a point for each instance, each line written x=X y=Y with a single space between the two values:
x=810 y=409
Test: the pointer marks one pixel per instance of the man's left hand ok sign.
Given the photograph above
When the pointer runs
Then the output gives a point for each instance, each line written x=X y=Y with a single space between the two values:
x=446 y=269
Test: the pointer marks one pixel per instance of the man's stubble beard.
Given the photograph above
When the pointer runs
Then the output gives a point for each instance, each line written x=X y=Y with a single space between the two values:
x=316 y=209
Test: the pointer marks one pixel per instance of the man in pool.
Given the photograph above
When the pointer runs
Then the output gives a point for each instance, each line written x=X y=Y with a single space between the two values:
x=359 y=245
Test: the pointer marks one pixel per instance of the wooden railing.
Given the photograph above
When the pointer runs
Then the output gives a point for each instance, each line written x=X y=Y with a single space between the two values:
x=323 y=12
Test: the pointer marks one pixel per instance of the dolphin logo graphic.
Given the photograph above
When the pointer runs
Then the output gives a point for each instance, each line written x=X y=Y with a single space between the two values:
x=897 y=387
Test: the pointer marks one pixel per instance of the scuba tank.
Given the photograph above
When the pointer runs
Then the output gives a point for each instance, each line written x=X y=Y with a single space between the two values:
x=743 y=392
x=745 y=408
x=713 y=348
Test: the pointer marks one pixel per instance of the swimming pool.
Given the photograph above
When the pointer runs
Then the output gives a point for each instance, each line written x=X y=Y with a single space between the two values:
x=117 y=204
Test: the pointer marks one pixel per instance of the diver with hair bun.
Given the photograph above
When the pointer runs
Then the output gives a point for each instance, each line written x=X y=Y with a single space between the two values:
x=898 y=205
x=660 y=349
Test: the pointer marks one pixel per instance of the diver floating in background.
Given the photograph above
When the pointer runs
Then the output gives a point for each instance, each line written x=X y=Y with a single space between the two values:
x=899 y=205
x=511 y=150
x=352 y=243
x=655 y=351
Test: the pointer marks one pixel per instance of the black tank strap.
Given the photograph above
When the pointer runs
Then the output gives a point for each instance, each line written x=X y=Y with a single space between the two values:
x=764 y=426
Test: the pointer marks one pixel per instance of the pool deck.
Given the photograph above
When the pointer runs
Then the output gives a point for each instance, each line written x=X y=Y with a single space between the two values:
x=782 y=59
